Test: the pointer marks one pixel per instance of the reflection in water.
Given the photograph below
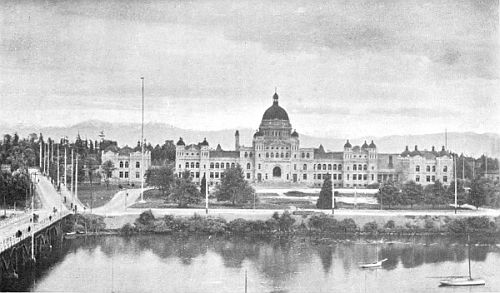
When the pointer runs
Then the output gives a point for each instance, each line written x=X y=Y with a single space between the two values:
x=182 y=264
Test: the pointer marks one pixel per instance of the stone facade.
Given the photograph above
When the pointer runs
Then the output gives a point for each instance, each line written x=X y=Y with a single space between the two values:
x=127 y=163
x=276 y=157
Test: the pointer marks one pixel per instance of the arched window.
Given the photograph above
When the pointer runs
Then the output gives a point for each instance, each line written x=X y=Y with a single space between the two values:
x=227 y=165
x=417 y=168
x=248 y=166
x=428 y=168
x=282 y=155
x=187 y=164
x=267 y=155
x=192 y=164
x=287 y=155
x=250 y=154
x=354 y=167
x=445 y=169
x=304 y=167
x=246 y=155
x=216 y=165
x=307 y=155
x=324 y=166
x=277 y=155
x=211 y=165
x=360 y=167
x=334 y=166
x=329 y=166
x=272 y=155
x=365 y=167
x=303 y=155
x=232 y=165
x=340 y=166
x=121 y=164
x=197 y=165
x=126 y=164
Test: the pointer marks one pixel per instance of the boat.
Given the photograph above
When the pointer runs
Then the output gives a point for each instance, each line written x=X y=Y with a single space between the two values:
x=377 y=264
x=463 y=280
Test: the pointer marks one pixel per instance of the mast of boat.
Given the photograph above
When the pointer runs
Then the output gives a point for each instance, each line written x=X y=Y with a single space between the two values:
x=468 y=254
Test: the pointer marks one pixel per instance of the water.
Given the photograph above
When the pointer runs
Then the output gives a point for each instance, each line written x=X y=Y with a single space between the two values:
x=160 y=263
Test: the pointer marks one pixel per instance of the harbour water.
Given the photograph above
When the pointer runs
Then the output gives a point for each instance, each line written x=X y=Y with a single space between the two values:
x=162 y=263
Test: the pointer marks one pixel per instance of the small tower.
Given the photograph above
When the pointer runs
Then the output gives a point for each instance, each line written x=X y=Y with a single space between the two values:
x=237 y=140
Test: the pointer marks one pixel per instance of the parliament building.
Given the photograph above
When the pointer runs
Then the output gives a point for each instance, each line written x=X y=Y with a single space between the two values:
x=276 y=157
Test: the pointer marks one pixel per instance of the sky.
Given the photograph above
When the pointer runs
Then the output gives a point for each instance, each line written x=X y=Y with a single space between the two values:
x=341 y=68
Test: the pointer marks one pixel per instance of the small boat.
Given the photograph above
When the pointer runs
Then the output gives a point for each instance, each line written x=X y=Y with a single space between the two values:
x=373 y=265
x=463 y=281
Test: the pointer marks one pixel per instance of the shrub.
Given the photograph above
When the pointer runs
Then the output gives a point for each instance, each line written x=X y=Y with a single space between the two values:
x=286 y=221
x=146 y=218
x=127 y=229
x=371 y=227
x=390 y=225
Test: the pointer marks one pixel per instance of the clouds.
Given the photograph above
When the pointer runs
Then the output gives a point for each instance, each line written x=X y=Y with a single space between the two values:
x=346 y=65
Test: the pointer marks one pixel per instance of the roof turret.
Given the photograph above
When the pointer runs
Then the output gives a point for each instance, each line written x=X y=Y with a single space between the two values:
x=372 y=145
x=204 y=142
x=180 y=142
x=275 y=112
x=365 y=145
x=347 y=144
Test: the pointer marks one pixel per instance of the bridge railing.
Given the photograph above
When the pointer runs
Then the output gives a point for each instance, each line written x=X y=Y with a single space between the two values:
x=26 y=232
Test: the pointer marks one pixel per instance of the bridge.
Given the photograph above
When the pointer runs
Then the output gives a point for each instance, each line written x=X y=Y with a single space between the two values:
x=25 y=236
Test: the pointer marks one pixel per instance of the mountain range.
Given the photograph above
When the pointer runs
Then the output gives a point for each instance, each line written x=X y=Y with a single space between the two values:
x=469 y=143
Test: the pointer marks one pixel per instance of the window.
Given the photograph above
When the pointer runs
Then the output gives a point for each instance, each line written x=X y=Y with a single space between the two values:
x=433 y=168
x=197 y=164
x=304 y=176
x=227 y=165
x=121 y=164
x=137 y=164
x=334 y=166
x=334 y=176
x=232 y=165
x=248 y=175
x=287 y=154
x=259 y=166
x=354 y=177
x=294 y=166
x=216 y=175
x=282 y=155
x=121 y=174
x=373 y=178
x=192 y=164
x=428 y=169
x=180 y=166
x=324 y=166
x=417 y=178
x=445 y=169
x=303 y=155
x=246 y=155
x=187 y=164
x=365 y=177
x=314 y=176
x=354 y=167
x=360 y=167
x=319 y=167
x=137 y=175
x=126 y=164
x=126 y=174
x=248 y=166
x=267 y=155
x=340 y=166
x=307 y=155
x=340 y=176
x=347 y=176
x=197 y=174
x=428 y=178
x=304 y=167
x=445 y=178
x=433 y=178
x=211 y=174
x=329 y=166
x=365 y=167
x=324 y=176
x=272 y=155
x=211 y=165
x=277 y=155
x=417 y=168
x=250 y=154
x=216 y=165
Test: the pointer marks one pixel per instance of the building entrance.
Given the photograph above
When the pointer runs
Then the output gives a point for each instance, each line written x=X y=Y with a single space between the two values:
x=277 y=172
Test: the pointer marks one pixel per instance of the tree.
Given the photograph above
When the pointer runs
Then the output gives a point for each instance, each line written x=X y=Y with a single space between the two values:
x=107 y=168
x=434 y=194
x=477 y=193
x=184 y=191
x=234 y=187
x=411 y=193
x=388 y=194
x=161 y=178
x=325 y=195
x=203 y=186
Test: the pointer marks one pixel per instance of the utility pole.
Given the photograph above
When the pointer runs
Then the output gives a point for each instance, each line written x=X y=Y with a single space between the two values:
x=206 y=195
x=40 y=159
x=33 y=222
x=72 y=173
x=463 y=168
x=58 y=179
x=455 y=169
x=333 y=195
x=76 y=177
x=65 y=167
x=47 y=158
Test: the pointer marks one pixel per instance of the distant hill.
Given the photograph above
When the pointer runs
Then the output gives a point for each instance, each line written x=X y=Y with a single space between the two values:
x=129 y=133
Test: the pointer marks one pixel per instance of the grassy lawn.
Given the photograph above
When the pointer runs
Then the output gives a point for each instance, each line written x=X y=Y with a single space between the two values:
x=100 y=194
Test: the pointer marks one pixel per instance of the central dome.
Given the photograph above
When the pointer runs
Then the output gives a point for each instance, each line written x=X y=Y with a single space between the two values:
x=275 y=112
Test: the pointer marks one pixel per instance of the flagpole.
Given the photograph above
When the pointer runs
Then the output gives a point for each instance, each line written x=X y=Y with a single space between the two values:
x=40 y=159
x=206 y=194
x=65 y=166
x=333 y=196
x=142 y=144
x=455 y=167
